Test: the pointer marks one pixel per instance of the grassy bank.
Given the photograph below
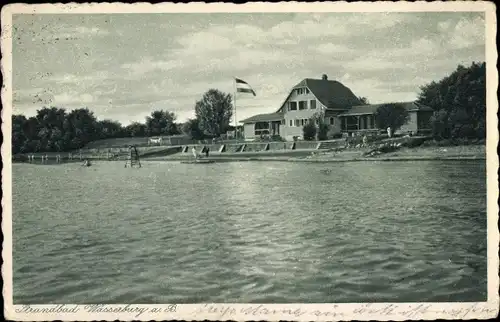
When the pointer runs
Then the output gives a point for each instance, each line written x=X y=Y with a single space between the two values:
x=466 y=152
x=394 y=149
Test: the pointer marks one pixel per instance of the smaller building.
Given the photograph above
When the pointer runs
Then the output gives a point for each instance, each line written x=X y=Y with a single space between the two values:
x=262 y=125
x=362 y=118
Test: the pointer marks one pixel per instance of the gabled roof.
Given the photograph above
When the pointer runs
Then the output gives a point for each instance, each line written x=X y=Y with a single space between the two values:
x=330 y=93
x=372 y=108
x=263 y=118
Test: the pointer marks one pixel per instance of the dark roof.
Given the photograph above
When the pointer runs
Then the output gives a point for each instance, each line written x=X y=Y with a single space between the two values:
x=372 y=108
x=330 y=93
x=263 y=118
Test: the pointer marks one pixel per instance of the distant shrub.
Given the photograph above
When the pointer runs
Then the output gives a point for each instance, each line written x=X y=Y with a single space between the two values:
x=309 y=131
x=413 y=142
x=272 y=138
x=334 y=135
x=277 y=138
x=453 y=142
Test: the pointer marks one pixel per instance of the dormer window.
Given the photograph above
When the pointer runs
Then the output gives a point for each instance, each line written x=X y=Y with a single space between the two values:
x=302 y=90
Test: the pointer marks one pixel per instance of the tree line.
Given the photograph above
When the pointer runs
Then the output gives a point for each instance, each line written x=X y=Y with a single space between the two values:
x=458 y=101
x=54 y=129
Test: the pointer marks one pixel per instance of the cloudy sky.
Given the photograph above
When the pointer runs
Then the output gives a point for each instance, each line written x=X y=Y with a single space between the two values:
x=123 y=66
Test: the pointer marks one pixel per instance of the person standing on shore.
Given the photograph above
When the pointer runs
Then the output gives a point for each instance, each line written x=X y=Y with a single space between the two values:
x=365 y=140
x=193 y=150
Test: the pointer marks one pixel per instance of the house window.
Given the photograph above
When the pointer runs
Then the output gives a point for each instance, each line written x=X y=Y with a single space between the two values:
x=301 y=91
x=282 y=122
x=293 y=106
x=332 y=120
x=302 y=105
x=291 y=122
x=312 y=104
x=297 y=123
x=302 y=122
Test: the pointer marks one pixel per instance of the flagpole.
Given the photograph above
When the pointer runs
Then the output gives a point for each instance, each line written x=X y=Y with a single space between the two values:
x=235 y=119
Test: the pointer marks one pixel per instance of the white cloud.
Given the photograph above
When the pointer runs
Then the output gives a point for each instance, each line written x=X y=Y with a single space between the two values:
x=468 y=33
x=420 y=48
x=373 y=63
x=326 y=25
x=79 y=79
x=70 y=32
x=147 y=65
x=205 y=41
x=444 y=26
x=73 y=98
x=330 y=48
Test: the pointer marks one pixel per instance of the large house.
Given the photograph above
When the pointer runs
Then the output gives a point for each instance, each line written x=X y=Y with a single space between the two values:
x=334 y=103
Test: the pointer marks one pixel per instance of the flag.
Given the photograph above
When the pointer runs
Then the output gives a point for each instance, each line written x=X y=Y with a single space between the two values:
x=242 y=86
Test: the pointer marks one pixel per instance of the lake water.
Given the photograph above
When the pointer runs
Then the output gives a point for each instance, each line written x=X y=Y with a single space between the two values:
x=268 y=232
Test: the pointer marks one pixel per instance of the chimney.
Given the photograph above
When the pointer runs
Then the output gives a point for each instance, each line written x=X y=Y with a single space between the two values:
x=324 y=77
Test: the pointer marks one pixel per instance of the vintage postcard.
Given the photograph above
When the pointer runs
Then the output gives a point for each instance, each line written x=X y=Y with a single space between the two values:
x=264 y=161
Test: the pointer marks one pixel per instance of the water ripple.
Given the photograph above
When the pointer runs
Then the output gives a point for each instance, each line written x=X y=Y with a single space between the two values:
x=250 y=232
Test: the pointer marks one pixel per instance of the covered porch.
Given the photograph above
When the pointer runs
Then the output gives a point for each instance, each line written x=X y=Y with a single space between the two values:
x=263 y=125
x=265 y=128
x=354 y=123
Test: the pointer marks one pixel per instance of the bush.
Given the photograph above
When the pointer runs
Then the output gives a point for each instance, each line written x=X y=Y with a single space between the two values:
x=277 y=138
x=393 y=115
x=413 y=142
x=334 y=135
x=309 y=131
x=323 y=129
x=273 y=138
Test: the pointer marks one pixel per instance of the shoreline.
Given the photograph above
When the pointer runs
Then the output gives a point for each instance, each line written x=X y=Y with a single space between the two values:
x=332 y=160
x=453 y=153
x=430 y=153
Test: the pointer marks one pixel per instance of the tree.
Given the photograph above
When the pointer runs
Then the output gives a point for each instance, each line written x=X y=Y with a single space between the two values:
x=109 y=129
x=459 y=102
x=161 y=123
x=323 y=130
x=393 y=115
x=83 y=128
x=18 y=135
x=50 y=125
x=214 y=112
x=363 y=100
x=192 y=129
x=309 y=131
x=135 y=129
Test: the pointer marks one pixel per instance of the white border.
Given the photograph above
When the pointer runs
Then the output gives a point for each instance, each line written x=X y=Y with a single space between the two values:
x=245 y=312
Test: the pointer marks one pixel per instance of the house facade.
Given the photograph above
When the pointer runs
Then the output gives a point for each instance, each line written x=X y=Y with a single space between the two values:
x=329 y=101
x=311 y=98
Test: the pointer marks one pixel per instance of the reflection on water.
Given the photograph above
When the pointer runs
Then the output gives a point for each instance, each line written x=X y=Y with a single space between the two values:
x=250 y=232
